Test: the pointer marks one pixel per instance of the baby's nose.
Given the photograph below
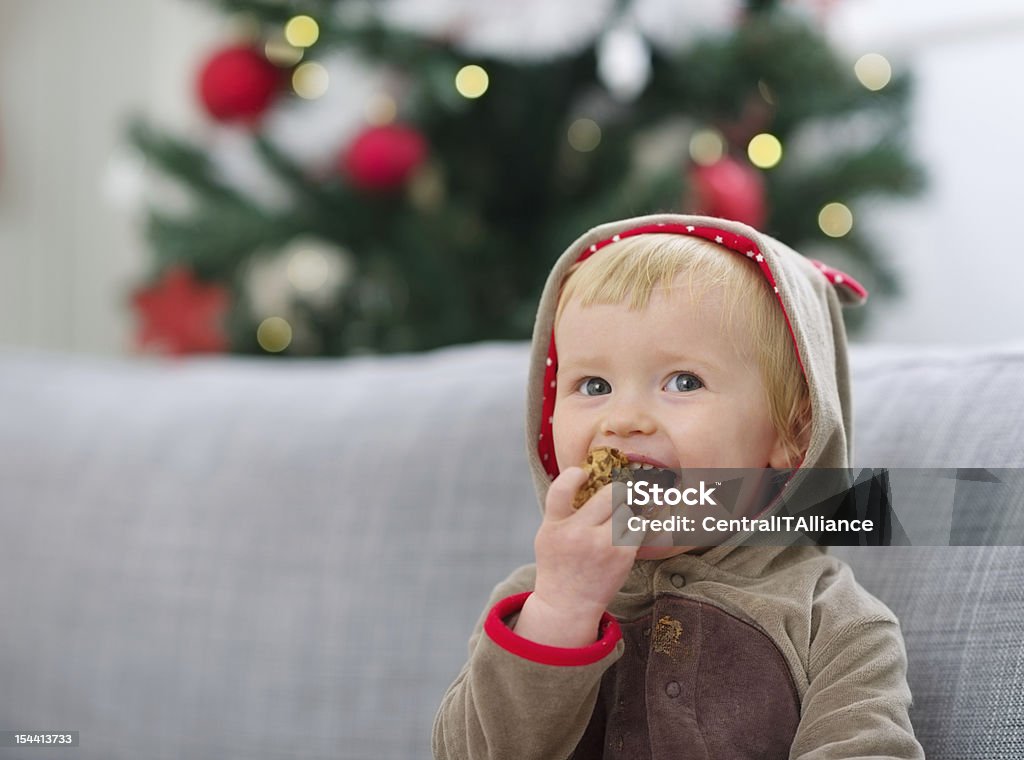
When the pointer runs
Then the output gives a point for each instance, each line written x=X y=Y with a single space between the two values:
x=628 y=419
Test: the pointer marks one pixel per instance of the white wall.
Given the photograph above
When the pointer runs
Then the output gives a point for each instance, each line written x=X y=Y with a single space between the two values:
x=961 y=258
x=72 y=70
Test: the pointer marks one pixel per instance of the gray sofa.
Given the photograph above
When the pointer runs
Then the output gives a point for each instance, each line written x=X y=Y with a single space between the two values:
x=253 y=558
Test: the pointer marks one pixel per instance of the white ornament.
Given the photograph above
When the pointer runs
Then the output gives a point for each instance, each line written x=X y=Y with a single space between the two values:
x=131 y=184
x=308 y=268
x=523 y=30
x=123 y=181
x=624 y=62
x=675 y=24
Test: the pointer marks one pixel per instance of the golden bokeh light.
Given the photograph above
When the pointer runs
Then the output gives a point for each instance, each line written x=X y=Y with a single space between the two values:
x=310 y=80
x=471 y=81
x=764 y=150
x=302 y=31
x=282 y=53
x=873 y=71
x=584 y=135
x=706 y=147
x=835 y=220
x=274 y=334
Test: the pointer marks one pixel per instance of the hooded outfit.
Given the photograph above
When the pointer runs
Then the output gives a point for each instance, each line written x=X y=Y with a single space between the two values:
x=744 y=651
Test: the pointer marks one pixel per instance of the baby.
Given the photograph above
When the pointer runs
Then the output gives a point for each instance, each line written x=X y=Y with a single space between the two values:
x=684 y=342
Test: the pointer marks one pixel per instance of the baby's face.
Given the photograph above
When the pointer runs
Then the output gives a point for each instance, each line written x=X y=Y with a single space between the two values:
x=670 y=385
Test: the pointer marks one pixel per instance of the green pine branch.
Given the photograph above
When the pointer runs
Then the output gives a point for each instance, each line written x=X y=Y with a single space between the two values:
x=216 y=239
x=184 y=162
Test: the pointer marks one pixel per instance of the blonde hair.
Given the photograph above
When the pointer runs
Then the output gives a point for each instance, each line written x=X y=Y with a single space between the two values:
x=633 y=267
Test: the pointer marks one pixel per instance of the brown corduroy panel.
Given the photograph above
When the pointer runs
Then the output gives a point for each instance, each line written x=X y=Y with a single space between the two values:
x=694 y=683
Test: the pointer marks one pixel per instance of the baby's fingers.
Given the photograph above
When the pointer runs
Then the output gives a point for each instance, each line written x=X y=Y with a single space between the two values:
x=623 y=532
x=562 y=491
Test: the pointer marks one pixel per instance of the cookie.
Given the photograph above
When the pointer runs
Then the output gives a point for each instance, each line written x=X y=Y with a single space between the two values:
x=604 y=465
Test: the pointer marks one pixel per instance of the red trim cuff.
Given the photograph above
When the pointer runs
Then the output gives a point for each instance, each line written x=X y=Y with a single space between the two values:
x=608 y=631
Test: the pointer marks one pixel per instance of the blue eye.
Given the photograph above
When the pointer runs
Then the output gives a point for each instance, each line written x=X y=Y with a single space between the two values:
x=683 y=382
x=595 y=386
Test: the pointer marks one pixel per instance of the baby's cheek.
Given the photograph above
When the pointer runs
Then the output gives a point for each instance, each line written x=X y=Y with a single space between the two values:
x=561 y=440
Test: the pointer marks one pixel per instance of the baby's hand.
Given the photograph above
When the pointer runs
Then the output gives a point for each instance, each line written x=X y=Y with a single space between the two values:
x=579 y=570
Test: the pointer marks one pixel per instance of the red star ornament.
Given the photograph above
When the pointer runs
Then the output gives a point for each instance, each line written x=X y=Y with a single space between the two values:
x=181 y=315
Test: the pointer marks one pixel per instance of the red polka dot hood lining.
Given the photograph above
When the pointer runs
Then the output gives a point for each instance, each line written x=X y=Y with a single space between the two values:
x=809 y=292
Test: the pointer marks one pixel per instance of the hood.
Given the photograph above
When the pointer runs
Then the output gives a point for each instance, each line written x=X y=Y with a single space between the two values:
x=811 y=296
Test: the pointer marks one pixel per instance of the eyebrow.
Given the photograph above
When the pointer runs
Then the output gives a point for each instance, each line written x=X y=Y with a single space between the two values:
x=667 y=355
x=664 y=355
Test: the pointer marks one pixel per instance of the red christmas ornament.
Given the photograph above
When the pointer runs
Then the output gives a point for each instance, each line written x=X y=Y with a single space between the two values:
x=238 y=84
x=181 y=315
x=729 y=189
x=383 y=158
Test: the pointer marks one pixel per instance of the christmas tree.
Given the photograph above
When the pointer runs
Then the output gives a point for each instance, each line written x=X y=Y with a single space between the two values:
x=492 y=137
